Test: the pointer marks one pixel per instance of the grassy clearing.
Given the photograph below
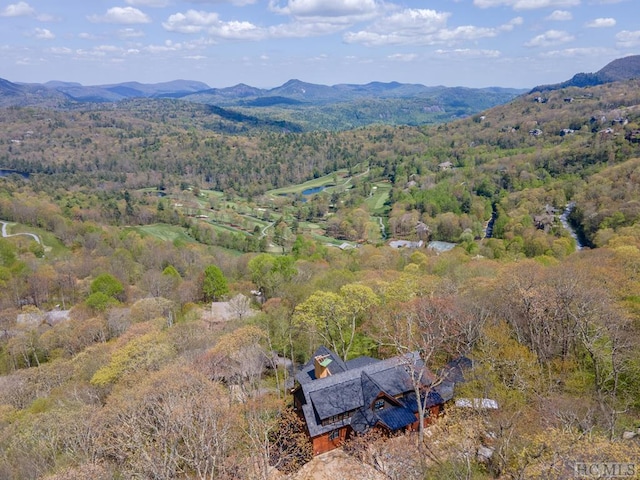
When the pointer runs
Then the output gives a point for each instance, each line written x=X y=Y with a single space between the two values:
x=52 y=245
x=212 y=193
x=169 y=233
x=227 y=228
x=376 y=202
x=333 y=179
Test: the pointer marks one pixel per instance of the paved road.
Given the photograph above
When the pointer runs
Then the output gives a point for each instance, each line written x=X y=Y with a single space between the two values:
x=5 y=234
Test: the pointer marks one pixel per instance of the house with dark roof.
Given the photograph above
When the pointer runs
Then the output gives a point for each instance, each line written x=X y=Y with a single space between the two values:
x=338 y=398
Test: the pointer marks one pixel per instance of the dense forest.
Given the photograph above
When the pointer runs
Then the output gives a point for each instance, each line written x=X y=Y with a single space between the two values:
x=126 y=224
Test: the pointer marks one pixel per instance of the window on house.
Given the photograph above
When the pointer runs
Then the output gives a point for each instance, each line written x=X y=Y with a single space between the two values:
x=379 y=405
x=337 y=418
x=334 y=435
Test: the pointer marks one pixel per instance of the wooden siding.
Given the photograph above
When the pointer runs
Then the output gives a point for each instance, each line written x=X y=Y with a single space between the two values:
x=323 y=443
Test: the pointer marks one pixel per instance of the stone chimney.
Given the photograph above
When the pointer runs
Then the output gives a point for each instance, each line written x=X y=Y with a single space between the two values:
x=321 y=366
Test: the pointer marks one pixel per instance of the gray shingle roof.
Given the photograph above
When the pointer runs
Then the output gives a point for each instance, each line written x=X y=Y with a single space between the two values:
x=351 y=390
x=307 y=372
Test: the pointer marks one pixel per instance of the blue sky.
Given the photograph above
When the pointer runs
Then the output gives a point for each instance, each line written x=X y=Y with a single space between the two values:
x=264 y=43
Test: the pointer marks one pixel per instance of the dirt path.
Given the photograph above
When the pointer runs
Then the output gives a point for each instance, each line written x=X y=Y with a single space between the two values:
x=5 y=234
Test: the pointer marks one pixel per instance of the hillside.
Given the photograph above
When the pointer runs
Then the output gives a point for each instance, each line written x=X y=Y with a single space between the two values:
x=294 y=106
x=621 y=69
x=126 y=224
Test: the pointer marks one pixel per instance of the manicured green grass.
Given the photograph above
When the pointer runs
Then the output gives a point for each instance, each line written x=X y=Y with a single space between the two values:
x=169 y=233
x=333 y=179
x=52 y=245
x=212 y=193
x=378 y=198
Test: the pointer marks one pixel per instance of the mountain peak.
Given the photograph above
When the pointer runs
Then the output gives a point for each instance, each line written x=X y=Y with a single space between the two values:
x=624 y=68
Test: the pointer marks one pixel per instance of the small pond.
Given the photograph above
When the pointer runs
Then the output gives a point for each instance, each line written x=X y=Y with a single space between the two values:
x=7 y=173
x=311 y=191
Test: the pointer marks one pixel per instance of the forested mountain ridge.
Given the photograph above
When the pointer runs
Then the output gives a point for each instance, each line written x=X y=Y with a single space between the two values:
x=621 y=69
x=115 y=364
x=306 y=106
x=529 y=144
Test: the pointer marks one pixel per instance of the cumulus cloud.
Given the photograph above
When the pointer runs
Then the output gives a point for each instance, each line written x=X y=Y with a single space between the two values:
x=413 y=20
x=627 y=39
x=601 y=23
x=303 y=29
x=43 y=34
x=422 y=27
x=190 y=22
x=560 y=16
x=313 y=18
x=20 y=9
x=550 y=38
x=343 y=11
x=526 y=4
x=237 y=31
x=148 y=3
x=122 y=15
x=511 y=24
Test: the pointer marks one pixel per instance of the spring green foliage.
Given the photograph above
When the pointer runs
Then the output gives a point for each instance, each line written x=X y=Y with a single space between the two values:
x=214 y=284
x=335 y=317
x=108 y=285
x=151 y=387
x=270 y=272
x=147 y=352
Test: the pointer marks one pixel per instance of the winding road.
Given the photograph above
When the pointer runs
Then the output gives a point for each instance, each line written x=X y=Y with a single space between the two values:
x=5 y=234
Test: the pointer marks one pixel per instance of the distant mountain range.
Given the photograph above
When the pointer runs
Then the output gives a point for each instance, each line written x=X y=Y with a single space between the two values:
x=309 y=106
x=625 y=68
x=291 y=92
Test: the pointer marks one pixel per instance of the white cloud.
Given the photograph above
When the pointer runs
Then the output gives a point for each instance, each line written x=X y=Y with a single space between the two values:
x=343 y=11
x=60 y=51
x=87 y=36
x=560 y=16
x=507 y=27
x=627 y=39
x=412 y=20
x=427 y=28
x=237 y=31
x=403 y=57
x=190 y=22
x=526 y=4
x=237 y=3
x=601 y=23
x=122 y=15
x=580 y=52
x=550 y=38
x=107 y=49
x=303 y=29
x=469 y=53
x=148 y=3
x=20 y=9
x=43 y=34
x=130 y=33
x=197 y=21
